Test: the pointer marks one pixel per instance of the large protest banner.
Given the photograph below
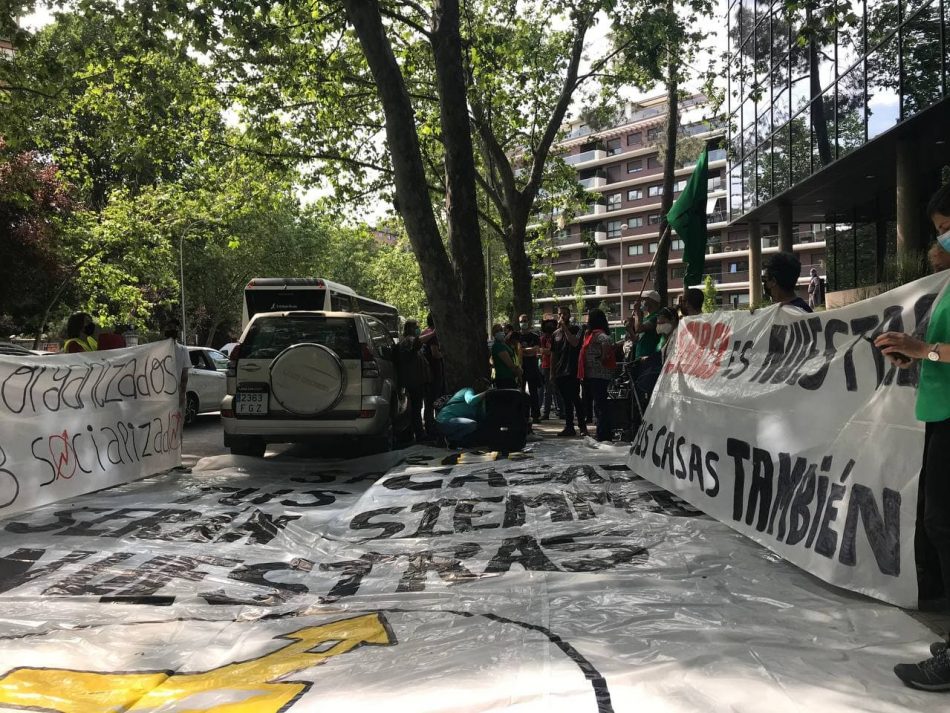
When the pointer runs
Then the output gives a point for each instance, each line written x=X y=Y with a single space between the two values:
x=75 y=423
x=550 y=581
x=794 y=429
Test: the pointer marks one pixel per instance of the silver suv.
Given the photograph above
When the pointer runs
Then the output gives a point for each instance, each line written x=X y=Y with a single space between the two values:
x=301 y=376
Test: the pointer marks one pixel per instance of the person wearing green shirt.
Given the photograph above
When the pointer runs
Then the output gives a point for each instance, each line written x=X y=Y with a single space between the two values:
x=503 y=357
x=933 y=408
x=649 y=340
x=459 y=418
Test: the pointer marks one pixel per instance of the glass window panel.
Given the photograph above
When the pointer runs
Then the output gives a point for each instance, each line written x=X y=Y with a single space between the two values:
x=883 y=103
x=763 y=171
x=779 y=38
x=735 y=191
x=851 y=111
x=780 y=98
x=764 y=125
x=763 y=50
x=801 y=94
x=748 y=18
x=748 y=183
x=850 y=35
x=778 y=164
x=921 y=60
x=823 y=130
x=800 y=147
x=882 y=17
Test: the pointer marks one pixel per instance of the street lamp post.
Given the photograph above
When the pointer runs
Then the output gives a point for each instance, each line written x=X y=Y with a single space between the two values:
x=181 y=281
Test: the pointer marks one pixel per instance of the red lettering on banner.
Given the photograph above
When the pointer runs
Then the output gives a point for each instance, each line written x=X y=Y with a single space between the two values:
x=701 y=349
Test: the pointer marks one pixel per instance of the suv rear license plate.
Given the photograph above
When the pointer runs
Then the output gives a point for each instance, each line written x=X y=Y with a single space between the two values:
x=251 y=403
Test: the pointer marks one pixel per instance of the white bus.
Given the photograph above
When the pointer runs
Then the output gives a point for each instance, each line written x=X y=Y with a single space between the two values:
x=281 y=294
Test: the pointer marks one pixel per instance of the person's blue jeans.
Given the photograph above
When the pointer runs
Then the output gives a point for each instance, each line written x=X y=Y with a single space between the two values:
x=457 y=429
x=597 y=389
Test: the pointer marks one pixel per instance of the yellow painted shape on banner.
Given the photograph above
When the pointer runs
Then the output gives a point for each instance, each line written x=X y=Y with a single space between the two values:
x=242 y=687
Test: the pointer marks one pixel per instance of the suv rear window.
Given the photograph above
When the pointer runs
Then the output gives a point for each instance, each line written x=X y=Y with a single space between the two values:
x=269 y=336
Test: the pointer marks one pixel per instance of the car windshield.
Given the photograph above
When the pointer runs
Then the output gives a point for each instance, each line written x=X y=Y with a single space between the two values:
x=269 y=336
x=220 y=360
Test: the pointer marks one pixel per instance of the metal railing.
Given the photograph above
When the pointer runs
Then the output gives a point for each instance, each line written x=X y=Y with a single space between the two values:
x=718 y=216
x=582 y=157
x=588 y=290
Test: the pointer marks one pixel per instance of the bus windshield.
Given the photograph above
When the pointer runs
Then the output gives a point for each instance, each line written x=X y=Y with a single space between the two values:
x=285 y=300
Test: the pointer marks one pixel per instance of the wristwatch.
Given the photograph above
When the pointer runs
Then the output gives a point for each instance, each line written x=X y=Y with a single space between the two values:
x=934 y=353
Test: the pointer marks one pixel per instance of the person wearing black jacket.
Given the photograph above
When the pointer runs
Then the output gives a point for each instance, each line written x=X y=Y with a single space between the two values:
x=565 y=351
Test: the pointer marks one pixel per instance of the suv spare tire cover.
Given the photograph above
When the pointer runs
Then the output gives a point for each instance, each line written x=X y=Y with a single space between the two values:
x=307 y=379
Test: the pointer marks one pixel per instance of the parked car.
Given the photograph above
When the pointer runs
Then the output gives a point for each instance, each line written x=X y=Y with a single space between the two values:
x=226 y=349
x=308 y=375
x=11 y=349
x=207 y=382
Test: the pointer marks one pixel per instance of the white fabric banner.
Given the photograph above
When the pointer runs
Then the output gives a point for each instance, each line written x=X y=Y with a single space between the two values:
x=793 y=429
x=75 y=423
x=426 y=581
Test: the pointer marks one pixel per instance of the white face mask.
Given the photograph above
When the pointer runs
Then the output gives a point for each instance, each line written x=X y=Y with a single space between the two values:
x=665 y=328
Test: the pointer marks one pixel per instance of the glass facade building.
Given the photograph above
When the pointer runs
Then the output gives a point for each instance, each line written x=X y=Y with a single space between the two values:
x=823 y=100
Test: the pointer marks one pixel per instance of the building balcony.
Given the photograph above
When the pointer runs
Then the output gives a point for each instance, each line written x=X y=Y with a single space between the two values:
x=588 y=290
x=718 y=216
x=593 y=182
x=592 y=155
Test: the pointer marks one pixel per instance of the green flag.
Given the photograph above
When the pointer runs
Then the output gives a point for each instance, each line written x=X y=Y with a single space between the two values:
x=688 y=218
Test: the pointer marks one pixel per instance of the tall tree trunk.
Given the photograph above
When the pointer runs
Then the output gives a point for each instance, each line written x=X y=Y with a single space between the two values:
x=661 y=274
x=461 y=196
x=520 y=266
x=459 y=313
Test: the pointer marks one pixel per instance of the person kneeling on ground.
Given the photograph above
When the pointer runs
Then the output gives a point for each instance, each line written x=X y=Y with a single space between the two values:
x=458 y=420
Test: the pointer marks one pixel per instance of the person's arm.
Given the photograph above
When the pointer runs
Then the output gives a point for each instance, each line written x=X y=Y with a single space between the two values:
x=426 y=337
x=891 y=343
x=474 y=399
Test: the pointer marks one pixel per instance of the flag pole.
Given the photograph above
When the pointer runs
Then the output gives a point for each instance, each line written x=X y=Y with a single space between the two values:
x=663 y=237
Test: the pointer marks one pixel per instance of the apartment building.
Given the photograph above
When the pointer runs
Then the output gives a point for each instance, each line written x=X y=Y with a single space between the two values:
x=612 y=244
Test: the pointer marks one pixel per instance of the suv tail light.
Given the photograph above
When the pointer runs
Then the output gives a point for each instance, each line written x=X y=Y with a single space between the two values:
x=370 y=367
x=233 y=360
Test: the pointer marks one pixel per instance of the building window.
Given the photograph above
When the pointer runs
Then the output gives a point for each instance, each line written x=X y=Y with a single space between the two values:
x=677 y=273
x=654 y=191
x=735 y=267
x=677 y=245
x=654 y=133
x=636 y=222
x=635 y=278
x=635 y=139
x=653 y=247
x=613 y=228
x=654 y=163
x=635 y=249
x=634 y=194
x=654 y=219
x=562 y=235
x=679 y=186
x=613 y=201
x=635 y=166
x=613 y=147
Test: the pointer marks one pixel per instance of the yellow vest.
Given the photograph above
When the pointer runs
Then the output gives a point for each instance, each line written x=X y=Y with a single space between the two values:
x=88 y=344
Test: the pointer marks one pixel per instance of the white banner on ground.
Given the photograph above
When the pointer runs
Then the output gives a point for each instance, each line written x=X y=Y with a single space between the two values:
x=75 y=423
x=554 y=581
x=794 y=429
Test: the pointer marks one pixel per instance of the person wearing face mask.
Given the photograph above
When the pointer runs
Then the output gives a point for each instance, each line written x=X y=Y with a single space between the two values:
x=666 y=323
x=530 y=365
x=551 y=393
x=79 y=331
x=780 y=278
x=507 y=371
x=932 y=540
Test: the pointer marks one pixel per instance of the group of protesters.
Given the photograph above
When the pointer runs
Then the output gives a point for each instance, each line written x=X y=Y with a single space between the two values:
x=82 y=335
